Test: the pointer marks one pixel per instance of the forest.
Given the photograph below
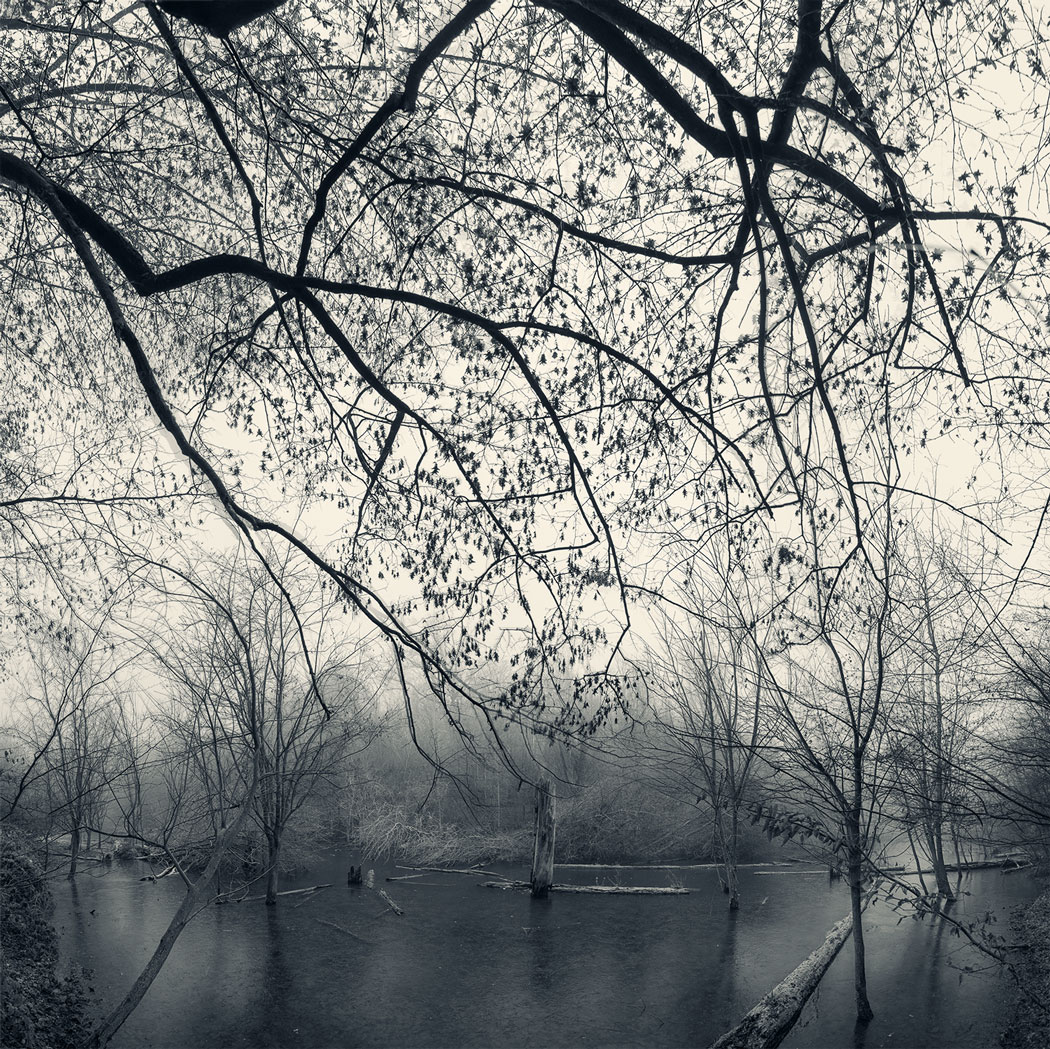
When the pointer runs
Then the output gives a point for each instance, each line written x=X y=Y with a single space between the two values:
x=576 y=447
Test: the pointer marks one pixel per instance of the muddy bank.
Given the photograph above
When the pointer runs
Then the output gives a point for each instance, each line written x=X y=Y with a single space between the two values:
x=1030 y=1026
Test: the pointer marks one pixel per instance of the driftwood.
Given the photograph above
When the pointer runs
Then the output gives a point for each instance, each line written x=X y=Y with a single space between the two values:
x=286 y=892
x=157 y=877
x=662 y=866
x=609 y=890
x=447 y=870
x=344 y=930
x=1019 y=867
x=790 y=872
x=388 y=901
x=405 y=877
x=770 y=1020
x=639 y=866
x=960 y=868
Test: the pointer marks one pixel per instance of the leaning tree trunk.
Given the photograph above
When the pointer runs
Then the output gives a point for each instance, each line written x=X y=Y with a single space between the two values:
x=543 y=846
x=191 y=904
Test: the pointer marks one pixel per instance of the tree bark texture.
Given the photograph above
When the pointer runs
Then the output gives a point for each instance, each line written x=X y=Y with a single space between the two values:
x=770 y=1020
x=543 y=847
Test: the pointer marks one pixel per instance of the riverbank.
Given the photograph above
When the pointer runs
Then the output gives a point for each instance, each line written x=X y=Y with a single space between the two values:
x=1030 y=1026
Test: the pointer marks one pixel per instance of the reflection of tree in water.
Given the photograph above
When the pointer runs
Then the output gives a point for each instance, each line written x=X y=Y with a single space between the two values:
x=542 y=959
x=276 y=984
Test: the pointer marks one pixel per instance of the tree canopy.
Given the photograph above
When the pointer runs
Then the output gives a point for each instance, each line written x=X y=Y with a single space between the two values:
x=498 y=312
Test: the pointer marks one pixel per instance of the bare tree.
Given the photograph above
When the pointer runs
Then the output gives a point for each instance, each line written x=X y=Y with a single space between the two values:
x=262 y=684
x=537 y=296
x=707 y=688
x=69 y=731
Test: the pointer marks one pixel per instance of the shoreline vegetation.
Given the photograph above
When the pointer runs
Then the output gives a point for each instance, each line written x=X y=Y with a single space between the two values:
x=1030 y=1026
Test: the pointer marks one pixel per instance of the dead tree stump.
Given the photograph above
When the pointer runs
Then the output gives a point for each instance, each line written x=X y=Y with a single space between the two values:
x=543 y=847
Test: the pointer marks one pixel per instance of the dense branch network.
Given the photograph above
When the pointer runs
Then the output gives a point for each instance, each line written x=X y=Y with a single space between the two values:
x=534 y=295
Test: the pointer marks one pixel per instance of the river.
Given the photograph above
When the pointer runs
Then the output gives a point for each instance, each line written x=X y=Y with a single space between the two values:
x=470 y=966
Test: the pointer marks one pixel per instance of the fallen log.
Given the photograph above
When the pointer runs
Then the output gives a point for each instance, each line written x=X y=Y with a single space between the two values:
x=1019 y=867
x=448 y=870
x=388 y=901
x=286 y=892
x=769 y=1021
x=641 y=866
x=405 y=877
x=763 y=873
x=958 y=868
x=611 y=890
x=667 y=866
x=344 y=930
x=157 y=877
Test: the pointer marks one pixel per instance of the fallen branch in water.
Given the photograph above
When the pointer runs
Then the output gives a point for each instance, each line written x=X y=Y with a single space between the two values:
x=405 y=877
x=286 y=892
x=157 y=877
x=824 y=872
x=388 y=901
x=450 y=870
x=640 y=866
x=344 y=930
x=611 y=890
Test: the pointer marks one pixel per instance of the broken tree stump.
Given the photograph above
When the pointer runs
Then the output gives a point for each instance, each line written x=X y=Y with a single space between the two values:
x=353 y=876
x=770 y=1020
x=543 y=846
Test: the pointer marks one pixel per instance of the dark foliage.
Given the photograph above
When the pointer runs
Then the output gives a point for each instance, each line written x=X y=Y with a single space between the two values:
x=39 y=1009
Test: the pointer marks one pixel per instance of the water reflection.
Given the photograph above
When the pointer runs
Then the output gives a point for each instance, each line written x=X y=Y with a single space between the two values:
x=468 y=966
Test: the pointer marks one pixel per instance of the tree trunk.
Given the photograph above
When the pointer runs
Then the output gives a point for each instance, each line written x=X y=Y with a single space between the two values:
x=918 y=862
x=726 y=845
x=74 y=851
x=860 y=978
x=936 y=842
x=273 y=860
x=543 y=847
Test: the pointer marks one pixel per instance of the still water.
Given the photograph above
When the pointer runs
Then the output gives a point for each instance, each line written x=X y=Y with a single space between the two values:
x=470 y=966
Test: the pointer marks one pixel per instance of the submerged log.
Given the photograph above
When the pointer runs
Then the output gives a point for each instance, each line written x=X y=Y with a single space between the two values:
x=543 y=846
x=388 y=901
x=609 y=890
x=285 y=892
x=156 y=877
x=788 y=872
x=961 y=868
x=770 y=1020
x=643 y=866
x=344 y=930
x=446 y=870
